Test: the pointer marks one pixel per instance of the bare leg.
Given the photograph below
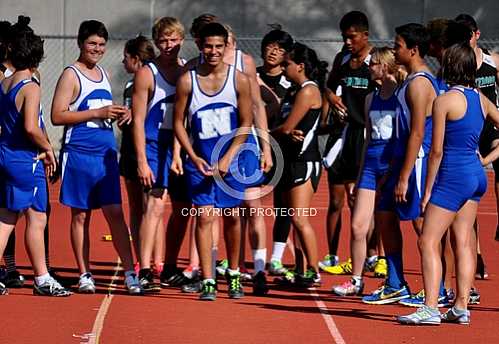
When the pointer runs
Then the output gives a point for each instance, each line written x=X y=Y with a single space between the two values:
x=204 y=238
x=34 y=240
x=361 y=221
x=155 y=207
x=436 y=222
x=115 y=219
x=333 y=222
x=80 y=222
x=232 y=235
x=177 y=226
x=464 y=250
x=8 y=221
x=136 y=209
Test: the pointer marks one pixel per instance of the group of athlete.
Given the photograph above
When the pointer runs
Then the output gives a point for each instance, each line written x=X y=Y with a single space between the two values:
x=215 y=133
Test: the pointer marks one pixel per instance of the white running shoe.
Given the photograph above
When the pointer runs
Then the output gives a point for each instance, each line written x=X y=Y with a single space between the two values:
x=86 y=285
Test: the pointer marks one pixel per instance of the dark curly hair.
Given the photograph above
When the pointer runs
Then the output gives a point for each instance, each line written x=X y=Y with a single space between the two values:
x=25 y=48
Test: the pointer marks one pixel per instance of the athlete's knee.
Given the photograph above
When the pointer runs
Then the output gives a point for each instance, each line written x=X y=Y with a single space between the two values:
x=78 y=218
x=335 y=204
x=299 y=221
x=155 y=207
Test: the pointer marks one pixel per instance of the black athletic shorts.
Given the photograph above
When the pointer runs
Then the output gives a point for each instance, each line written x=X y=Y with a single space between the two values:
x=489 y=134
x=128 y=167
x=346 y=167
x=178 y=188
x=298 y=172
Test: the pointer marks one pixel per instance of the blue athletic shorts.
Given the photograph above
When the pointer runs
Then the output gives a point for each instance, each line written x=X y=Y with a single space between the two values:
x=411 y=209
x=90 y=181
x=452 y=190
x=203 y=190
x=17 y=179
x=159 y=157
x=376 y=163
x=249 y=163
x=40 y=199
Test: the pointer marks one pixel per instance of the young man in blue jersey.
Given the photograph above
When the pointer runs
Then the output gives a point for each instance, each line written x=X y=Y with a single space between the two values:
x=152 y=109
x=402 y=192
x=217 y=100
x=90 y=174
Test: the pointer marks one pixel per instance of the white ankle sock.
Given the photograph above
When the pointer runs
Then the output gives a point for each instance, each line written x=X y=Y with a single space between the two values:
x=278 y=250
x=260 y=259
x=39 y=280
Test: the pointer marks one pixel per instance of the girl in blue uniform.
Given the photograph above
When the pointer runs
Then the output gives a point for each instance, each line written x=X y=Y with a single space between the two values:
x=23 y=148
x=381 y=106
x=455 y=183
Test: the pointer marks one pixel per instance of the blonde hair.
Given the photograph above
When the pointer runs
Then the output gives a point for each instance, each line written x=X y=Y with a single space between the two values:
x=231 y=32
x=168 y=25
x=385 y=56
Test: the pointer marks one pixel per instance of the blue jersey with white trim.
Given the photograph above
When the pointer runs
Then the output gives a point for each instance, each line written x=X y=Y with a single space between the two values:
x=403 y=118
x=213 y=117
x=12 y=132
x=160 y=107
x=95 y=136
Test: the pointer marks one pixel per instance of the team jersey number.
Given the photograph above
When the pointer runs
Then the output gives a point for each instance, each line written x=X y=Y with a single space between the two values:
x=167 y=112
x=97 y=104
x=215 y=122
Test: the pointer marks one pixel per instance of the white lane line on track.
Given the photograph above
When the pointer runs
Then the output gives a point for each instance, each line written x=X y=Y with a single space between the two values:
x=104 y=307
x=328 y=319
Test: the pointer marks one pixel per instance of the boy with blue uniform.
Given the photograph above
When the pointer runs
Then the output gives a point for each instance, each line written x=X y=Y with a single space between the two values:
x=401 y=194
x=90 y=174
x=217 y=100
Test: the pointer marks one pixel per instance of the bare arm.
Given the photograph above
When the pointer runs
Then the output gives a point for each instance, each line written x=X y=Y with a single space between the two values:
x=30 y=109
x=306 y=98
x=439 y=115
x=495 y=57
x=65 y=92
x=333 y=83
x=420 y=92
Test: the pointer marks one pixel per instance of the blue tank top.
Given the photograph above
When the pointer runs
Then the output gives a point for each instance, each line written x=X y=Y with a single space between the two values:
x=12 y=132
x=159 y=119
x=95 y=136
x=213 y=118
x=403 y=128
x=462 y=135
x=382 y=115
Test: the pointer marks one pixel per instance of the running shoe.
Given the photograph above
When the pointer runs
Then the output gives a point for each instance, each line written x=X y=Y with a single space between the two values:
x=451 y=294
x=208 y=290
x=222 y=267
x=14 y=279
x=474 y=297
x=245 y=274
x=86 y=284
x=349 y=288
x=386 y=294
x=381 y=268
x=52 y=288
x=276 y=268
x=344 y=268
x=173 y=278
x=310 y=278
x=328 y=261
x=132 y=283
x=234 y=282
x=370 y=263
x=481 y=271
x=423 y=316
x=192 y=288
x=191 y=272
x=289 y=278
x=260 y=287
x=456 y=316
x=146 y=280
x=3 y=289
x=418 y=300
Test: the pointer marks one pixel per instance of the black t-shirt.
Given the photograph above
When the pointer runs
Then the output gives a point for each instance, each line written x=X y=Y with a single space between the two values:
x=486 y=77
x=277 y=83
x=355 y=84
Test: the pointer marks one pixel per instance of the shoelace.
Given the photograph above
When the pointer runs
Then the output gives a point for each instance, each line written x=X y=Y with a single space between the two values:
x=235 y=283
x=424 y=312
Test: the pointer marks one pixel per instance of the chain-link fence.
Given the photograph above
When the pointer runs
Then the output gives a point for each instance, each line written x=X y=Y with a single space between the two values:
x=60 y=51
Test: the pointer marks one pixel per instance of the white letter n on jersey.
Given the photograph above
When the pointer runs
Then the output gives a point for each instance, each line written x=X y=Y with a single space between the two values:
x=214 y=122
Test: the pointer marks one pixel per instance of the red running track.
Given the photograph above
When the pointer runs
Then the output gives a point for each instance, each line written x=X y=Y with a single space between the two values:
x=284 y=316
